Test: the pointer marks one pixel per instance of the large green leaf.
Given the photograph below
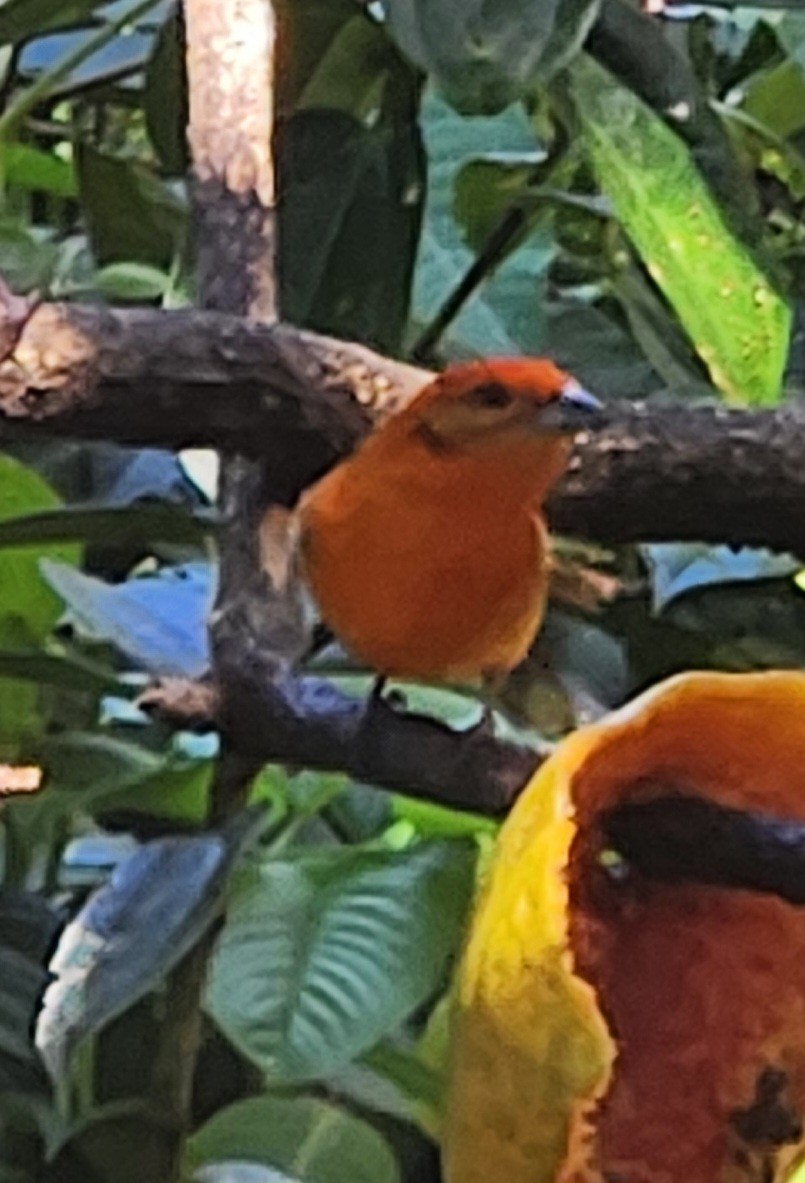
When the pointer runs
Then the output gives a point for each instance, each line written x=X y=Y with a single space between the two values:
x=324 y=954
x=738 y=323
x=307 y=1140
x=484 y=56
x=597 y=349
x=131 y=214
x=505 y=315
x=28 y=608
x=647 y=59
x=165 y=100
x=350 y=170
x=311 y=29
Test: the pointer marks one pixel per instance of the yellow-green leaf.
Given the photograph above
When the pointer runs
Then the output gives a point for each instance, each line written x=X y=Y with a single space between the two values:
x=738 y=323
x=28 y=608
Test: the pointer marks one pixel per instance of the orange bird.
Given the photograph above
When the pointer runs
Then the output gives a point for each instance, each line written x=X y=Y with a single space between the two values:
x=427 y=550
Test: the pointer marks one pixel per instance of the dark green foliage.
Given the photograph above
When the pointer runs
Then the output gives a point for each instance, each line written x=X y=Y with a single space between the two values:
x=567 y=145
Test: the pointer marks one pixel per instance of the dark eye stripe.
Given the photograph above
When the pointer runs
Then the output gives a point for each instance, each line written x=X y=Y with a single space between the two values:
x=492 y=395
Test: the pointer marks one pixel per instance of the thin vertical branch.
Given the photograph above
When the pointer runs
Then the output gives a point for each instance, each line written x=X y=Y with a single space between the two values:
x=230 y=65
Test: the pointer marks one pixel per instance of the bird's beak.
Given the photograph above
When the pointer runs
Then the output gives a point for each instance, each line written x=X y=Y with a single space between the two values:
x=574 y=410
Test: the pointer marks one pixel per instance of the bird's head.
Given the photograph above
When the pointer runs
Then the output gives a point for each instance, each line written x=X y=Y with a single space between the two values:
x=497 y=401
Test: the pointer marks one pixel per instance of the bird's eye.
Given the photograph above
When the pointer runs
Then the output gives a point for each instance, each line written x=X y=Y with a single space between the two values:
x=493 y=396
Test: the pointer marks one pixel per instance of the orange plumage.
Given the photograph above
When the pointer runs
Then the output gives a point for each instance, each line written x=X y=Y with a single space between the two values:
x=427 y=549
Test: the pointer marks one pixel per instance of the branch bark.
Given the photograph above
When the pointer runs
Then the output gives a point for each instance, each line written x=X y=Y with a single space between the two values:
x=299 y=401
x=305 y=720
x=230 y=67
x=671 y=839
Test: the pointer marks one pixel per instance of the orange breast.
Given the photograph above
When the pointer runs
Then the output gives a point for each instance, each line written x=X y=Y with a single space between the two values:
x=422 y=585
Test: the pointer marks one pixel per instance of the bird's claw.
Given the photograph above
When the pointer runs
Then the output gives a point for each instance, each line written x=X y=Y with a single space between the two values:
x=485 y=727
x=394 y=700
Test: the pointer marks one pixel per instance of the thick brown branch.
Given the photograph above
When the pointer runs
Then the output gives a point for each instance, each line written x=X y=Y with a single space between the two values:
x=699 y=473
x=176 y=379
x=305 y=721
x=299 y=401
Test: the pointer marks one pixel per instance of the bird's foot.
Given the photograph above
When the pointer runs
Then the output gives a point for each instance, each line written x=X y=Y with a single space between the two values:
x=377 y=700
x=485 y=727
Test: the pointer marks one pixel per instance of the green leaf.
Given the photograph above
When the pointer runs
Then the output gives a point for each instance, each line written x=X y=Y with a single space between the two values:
x=306 y=1139
x=177 y=793
x=430 y=820
x=350 y=204
x=505 y=315
x=24 y=594
x=47 y=669
x=485 y=56
x=91 y=772
x=656 y=330
x=597 y=349
x=776 y=99
x=350 y=174
x=131 y=214
x=649 y=61
x=458 y=710
x=131 y=281
x=165 y=99
x=88 y=58
x=28 y=608
x=92 y=765
x=27 y=258
x=24 y=18
x=352 y=72
x=489 y=186
x=790 y=30
x=21 y=985
x=312 y=30
x=127 y=525
x=240 y=1172
x=324 y=954
x=417 y=1081
x=42 y=172
x=120 y=1142
x=28 y=927
x=738 y=323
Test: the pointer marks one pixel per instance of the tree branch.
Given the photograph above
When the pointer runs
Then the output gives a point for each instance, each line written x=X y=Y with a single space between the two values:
x=682 y=473
x=230 y=67
x=299 y=401
x=305 y=720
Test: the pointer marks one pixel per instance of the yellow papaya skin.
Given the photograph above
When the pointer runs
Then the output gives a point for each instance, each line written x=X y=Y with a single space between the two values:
x=612 y=1030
